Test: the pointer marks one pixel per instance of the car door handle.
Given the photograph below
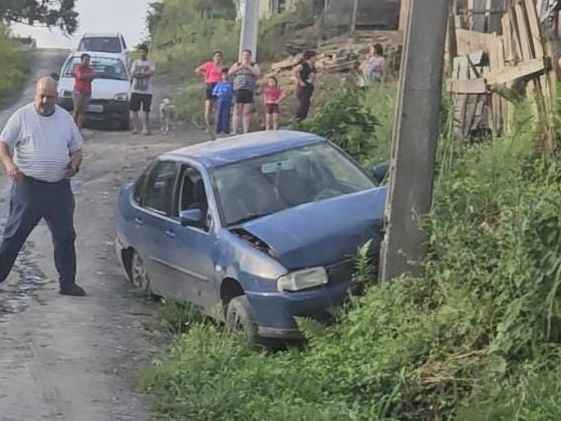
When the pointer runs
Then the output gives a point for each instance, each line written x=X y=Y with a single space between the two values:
x=138 y=221
x=170 y=233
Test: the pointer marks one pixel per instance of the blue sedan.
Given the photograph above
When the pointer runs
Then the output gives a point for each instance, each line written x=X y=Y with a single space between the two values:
x=255 y=230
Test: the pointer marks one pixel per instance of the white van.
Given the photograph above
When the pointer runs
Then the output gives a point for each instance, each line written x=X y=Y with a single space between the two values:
x=110 y=88
x=113 y=43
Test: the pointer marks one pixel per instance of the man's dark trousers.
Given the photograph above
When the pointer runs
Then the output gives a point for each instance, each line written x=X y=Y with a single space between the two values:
x=31 y=201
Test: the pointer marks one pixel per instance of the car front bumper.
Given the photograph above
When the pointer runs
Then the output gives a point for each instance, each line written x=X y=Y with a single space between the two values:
x=275 y=312
x=104 y=109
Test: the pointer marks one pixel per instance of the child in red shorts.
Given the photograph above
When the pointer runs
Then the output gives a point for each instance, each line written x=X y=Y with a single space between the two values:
x=272 y=96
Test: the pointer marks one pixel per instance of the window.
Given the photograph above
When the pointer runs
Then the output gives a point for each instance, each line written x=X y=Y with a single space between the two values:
x=101 y=45
x=191 y=192
x=266 y=185
x=158 y=193
x=124 y=43
x=105 y=68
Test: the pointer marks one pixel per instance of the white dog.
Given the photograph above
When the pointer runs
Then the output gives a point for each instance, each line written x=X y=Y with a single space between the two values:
x=167 y=115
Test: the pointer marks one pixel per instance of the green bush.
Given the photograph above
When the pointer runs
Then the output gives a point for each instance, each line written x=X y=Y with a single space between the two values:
x=360 y=122
x=14 y=68
x=475 y=338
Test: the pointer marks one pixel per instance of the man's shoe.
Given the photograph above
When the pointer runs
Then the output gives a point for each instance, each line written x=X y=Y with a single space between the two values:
x=74 y=291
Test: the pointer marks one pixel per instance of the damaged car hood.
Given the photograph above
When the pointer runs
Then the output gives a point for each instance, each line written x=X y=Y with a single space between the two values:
x=322 y=233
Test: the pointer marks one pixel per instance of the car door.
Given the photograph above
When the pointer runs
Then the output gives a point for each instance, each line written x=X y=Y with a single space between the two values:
x=194 y=248
x=153 y=220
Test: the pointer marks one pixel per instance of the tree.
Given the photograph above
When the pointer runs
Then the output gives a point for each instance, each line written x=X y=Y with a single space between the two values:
x=50 y=13
x=154 y=16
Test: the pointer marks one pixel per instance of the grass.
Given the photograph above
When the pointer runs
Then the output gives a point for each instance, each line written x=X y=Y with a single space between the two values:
x=15 y=66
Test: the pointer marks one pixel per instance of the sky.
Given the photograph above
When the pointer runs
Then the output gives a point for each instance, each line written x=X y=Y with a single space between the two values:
x=125 y=16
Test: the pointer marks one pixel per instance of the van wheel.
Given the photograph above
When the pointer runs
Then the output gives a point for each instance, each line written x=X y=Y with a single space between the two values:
x=139 y=277
x=124 y=123
x=239 y=320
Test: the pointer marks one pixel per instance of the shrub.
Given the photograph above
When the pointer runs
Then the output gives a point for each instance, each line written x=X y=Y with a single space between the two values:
x=360 y=122
x=15 y=65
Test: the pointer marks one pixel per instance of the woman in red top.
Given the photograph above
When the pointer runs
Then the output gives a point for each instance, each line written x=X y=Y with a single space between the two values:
x=272 y=96
x=83 y=76
x=211 y=71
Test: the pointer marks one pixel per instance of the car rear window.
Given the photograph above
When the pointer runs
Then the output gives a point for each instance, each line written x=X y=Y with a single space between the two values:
x=101 y=45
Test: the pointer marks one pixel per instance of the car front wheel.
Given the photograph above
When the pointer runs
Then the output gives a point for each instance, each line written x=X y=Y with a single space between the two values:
x=239 y=319
x=139 y=277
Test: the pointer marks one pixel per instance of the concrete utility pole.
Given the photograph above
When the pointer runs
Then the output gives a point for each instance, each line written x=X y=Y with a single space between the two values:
x=250 y=26
x=415 y=138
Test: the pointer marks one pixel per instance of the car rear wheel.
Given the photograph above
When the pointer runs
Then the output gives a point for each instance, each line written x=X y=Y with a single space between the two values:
x=139 y=277
x=240 y=321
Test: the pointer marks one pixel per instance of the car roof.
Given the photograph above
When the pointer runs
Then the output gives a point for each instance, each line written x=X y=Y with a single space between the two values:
x=217 y=153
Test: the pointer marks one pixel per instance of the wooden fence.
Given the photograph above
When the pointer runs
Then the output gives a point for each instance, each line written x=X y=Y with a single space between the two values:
x=492 y=70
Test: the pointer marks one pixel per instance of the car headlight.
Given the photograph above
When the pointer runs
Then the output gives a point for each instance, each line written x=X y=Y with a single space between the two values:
x=121 y=97
x=302 y=279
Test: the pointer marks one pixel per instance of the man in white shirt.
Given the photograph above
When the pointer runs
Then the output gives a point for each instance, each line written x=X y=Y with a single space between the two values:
x=142 y=71
x=40 y=149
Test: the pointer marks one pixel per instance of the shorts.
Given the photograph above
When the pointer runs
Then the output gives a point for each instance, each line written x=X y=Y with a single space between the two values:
x=209 y=90
x=244 y=96
x=140 y=99
x=272 y=108
x=80 y=101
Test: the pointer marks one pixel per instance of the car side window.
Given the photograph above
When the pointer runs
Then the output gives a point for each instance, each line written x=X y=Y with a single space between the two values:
x=191 y=192
x=157 y=194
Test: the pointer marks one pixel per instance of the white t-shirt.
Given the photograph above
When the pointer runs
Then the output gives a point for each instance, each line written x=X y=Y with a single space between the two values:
x=42 y=145
x=142 y=85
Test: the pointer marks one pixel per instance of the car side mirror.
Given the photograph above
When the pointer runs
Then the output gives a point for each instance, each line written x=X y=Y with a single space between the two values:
x=379 y=172
x=192 y=218
x=55 y=76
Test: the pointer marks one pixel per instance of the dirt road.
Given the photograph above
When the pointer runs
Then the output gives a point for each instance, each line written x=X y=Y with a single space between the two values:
x=76 y=359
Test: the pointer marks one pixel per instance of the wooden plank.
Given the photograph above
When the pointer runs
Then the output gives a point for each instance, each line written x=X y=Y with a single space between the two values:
x=494 y=19
x=451 y=42
x=515 y=35
x=507 y=37
x=503 y=104
x=524 y=33
x=512 y=74
x=470 y=41
x=495 y=99
x=461 y=66
x=473 y=86
x=534 y=26
x=544 y=89
x=478 y=19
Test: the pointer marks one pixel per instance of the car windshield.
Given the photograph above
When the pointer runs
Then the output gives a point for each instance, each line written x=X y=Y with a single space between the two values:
x=105 y=68
x=101 y=45
x=262 y=186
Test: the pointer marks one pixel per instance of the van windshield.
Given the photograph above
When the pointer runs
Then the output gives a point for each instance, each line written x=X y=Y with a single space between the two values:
x=101 y=45
x=105 y=68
